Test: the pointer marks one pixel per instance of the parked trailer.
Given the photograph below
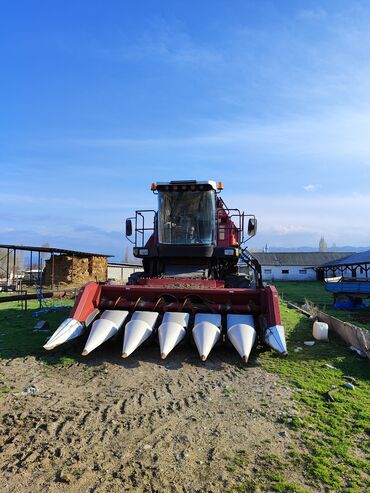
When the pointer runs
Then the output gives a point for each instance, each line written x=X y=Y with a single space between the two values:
x=349 y=291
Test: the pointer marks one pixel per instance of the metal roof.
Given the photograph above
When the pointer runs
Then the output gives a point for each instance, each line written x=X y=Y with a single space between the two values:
x=53 y=250
x=307 y=259
x=352 y=259
x=124 y=264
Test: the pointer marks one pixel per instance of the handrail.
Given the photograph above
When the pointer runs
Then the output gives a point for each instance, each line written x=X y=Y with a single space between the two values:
x=140 y=228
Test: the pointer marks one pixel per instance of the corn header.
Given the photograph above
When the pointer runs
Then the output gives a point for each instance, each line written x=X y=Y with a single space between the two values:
x=190 y=287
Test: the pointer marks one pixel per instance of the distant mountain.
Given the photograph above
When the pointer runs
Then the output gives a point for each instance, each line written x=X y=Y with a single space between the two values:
x=350 y=249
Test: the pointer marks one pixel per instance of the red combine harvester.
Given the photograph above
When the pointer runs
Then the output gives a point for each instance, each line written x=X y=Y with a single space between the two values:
x=190 y=285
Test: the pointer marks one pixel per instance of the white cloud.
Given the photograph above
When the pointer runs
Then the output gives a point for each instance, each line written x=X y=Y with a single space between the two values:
x=301 y=220
x=312 y=14
x=66 y=203
x=289 y=229
x=311 y=188
x=164 y=42
x=337 y=137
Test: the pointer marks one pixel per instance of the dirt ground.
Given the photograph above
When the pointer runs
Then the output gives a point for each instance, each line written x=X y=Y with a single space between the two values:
x=140 y=425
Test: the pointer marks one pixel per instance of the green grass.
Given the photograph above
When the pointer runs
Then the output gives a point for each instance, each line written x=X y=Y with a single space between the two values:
x=17 y=338
x=298 y=292
x=336 y=434
x=228 y=390
x=267 y=475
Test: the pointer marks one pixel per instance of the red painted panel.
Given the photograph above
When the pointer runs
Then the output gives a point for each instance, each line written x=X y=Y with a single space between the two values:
x=165 y=297
x=271 y=306
x=216 y=295
x=86 y=302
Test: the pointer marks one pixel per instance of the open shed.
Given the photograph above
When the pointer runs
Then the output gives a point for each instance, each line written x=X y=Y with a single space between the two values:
x=20 y=264
x=356 y=265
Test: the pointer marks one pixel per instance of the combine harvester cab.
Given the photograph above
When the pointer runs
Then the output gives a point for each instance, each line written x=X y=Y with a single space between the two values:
x=190 y=286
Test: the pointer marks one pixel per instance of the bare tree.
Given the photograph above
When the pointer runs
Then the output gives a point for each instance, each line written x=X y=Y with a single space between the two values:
x=127 y=257
x=11 y=261
x=44 y=255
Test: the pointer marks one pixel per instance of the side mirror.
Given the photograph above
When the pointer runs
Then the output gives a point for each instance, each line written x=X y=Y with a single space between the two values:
x=252 y=226
x=128 y=227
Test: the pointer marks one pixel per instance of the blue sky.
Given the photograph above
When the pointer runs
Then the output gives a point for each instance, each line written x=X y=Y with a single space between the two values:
x=99 y=99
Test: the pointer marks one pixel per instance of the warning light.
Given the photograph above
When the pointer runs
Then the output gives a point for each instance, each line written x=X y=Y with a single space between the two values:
x=153 y=187
x=220 y=185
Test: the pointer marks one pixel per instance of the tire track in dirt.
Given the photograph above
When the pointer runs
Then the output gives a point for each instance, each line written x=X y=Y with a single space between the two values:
x=158 y=427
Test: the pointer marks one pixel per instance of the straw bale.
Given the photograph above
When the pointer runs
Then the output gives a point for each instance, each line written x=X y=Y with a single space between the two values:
x=76 y=269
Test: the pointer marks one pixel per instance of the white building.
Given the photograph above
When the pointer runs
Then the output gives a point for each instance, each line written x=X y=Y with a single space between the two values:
x=120 y=272
x=294 y=266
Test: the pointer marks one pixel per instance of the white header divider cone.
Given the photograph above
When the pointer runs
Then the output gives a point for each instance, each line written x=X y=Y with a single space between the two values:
x=241 y=333
x=171 y=331
x=275 y=338
x=103 y=329
x=137 y=330
x=67 y=330
x=206 y=332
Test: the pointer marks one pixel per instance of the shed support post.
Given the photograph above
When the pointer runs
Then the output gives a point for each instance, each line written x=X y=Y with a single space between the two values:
x=7 y=268
x=39 y=279
x=52 y=270
x=14 y=264
x=30 y=280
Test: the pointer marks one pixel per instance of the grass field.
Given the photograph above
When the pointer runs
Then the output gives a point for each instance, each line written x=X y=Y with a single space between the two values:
x=335 y=436
x=298 y=292
x=17 y=338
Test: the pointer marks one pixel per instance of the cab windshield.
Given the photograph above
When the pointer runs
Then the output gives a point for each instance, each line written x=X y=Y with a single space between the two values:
x=187 y=217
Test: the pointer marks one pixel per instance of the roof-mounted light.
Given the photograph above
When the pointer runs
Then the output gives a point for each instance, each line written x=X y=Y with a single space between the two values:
x=186 y=185
x=220 y=185
x=153 y=187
